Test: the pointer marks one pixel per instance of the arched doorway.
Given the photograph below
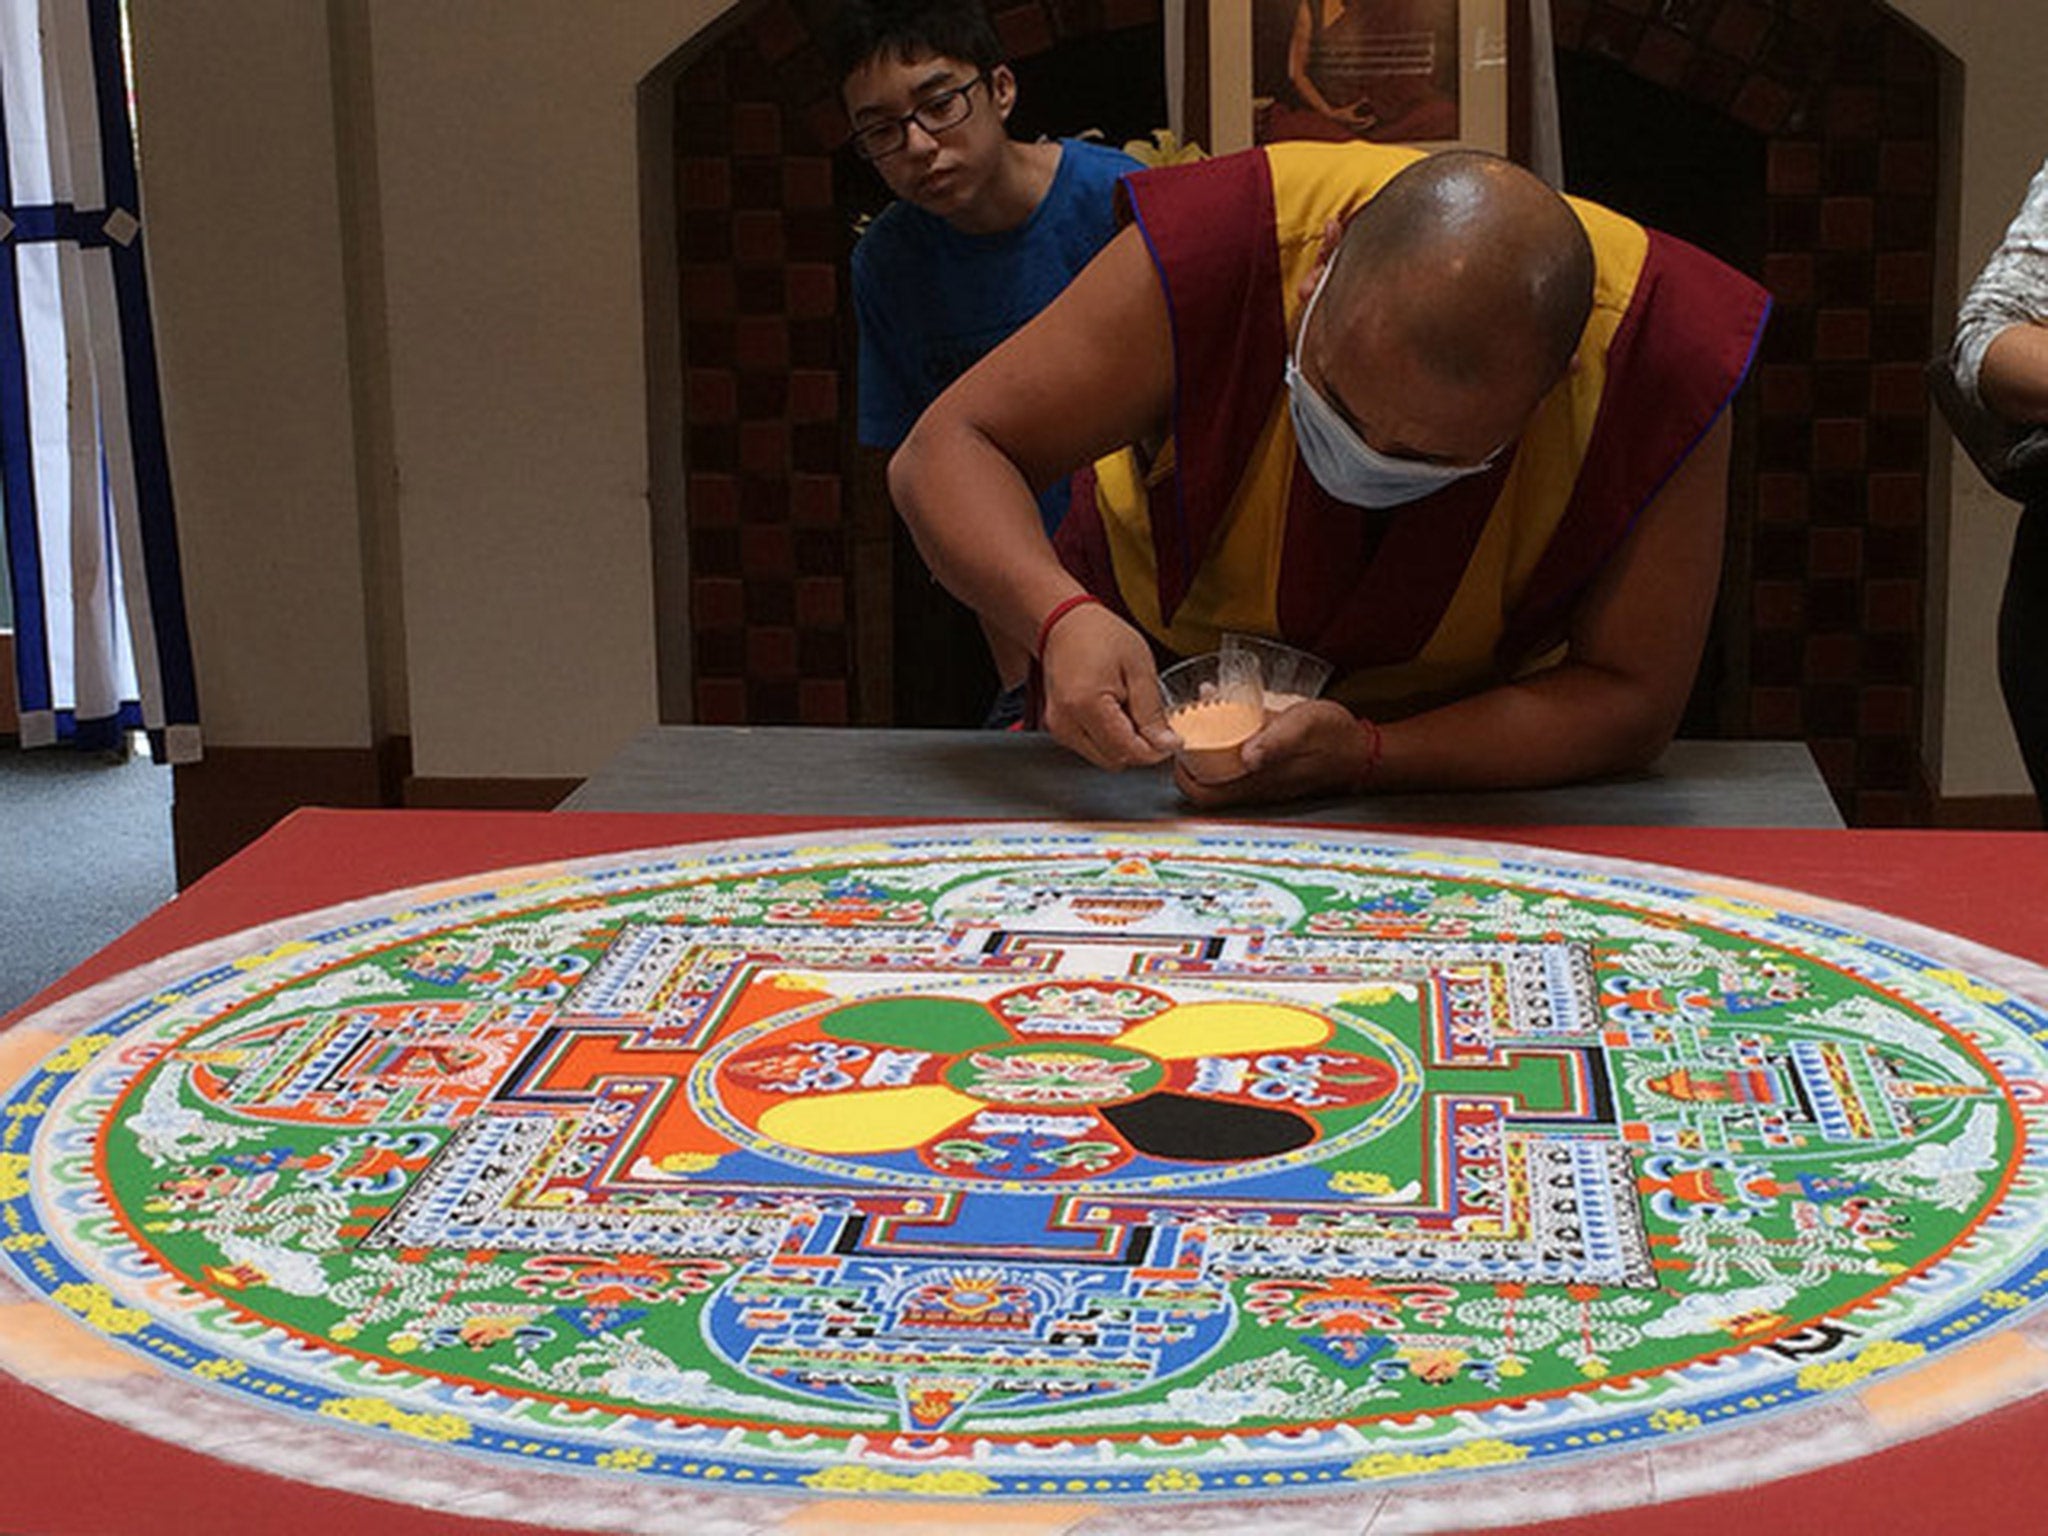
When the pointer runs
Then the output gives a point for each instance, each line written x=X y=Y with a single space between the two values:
x=783 y=592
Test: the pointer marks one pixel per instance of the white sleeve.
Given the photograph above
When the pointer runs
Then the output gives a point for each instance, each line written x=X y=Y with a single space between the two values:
x=2011 y=290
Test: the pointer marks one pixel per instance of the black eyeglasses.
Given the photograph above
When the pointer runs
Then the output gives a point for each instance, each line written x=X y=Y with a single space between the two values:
x=935 y=114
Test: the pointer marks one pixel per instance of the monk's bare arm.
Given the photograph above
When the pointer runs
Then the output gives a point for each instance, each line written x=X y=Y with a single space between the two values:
x=1091 y=374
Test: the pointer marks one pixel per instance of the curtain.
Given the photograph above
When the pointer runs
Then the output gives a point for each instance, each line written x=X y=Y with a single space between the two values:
x=100 y=640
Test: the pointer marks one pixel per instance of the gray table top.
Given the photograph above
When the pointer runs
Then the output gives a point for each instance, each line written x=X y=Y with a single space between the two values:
x=958 y=775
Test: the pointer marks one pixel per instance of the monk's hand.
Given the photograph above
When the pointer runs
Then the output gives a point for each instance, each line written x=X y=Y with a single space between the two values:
x=1102 y=691
x=1314 y=748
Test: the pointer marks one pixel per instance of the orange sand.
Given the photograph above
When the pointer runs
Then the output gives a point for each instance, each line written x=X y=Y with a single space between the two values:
x=1216 y=723
x=1210 y=733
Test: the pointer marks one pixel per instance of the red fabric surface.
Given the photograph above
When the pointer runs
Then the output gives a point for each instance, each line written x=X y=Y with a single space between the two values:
x=63 y=1473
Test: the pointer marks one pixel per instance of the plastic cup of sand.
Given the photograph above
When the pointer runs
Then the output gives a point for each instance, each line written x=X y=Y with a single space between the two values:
x=1286 y=676
x=1214 y=704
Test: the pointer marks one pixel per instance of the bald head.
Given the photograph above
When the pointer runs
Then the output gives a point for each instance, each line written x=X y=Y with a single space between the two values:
x=1481 y=269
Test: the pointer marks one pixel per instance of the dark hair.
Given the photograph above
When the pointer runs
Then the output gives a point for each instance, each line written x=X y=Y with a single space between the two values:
x=905 y=29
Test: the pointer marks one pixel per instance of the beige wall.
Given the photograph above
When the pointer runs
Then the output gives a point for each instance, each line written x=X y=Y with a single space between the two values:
x=458 y=546
x=244 y=240
x=511 y=208
x=396 y=249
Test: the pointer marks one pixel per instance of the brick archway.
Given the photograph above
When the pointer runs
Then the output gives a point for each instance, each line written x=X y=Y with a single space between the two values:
x=788 y=584
x=1846 y=96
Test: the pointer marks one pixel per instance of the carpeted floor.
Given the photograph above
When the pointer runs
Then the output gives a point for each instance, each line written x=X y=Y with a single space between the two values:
x=85 y=853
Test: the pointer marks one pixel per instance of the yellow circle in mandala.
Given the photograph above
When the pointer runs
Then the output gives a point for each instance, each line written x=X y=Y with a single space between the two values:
x=877 y=1120
x=1228 y=1028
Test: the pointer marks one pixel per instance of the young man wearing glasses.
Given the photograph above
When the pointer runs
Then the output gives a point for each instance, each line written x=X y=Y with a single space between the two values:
x=985 y=230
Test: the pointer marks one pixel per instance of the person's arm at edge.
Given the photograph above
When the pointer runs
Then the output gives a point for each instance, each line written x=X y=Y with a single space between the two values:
x=1090 y=373
x=2013 y=380
x=2005 y=312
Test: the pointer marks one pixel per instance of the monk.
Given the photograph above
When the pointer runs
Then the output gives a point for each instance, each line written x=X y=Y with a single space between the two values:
x=1422 y=416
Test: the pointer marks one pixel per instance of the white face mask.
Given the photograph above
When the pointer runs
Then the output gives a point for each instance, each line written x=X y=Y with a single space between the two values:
x=1345 y=464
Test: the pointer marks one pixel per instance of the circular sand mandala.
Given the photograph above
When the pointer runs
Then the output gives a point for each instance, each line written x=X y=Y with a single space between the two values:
x=1010 y=1163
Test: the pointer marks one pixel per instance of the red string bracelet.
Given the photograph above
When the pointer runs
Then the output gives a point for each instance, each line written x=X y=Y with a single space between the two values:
x=1060 y=610
x=1375 y=743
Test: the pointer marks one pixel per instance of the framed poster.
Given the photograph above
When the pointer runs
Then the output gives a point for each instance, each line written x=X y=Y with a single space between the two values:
x=1424 y=72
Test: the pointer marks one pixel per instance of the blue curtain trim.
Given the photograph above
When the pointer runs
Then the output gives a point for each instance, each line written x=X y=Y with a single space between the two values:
x=45 y=223
x=177 y=681
x=162 y=574
x=17 y=484
x=98 y=733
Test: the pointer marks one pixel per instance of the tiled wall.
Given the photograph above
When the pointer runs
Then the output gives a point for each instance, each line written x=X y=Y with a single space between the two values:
x=1845 y=93
x=788 y=564
x=767 y=379
x=784 y=601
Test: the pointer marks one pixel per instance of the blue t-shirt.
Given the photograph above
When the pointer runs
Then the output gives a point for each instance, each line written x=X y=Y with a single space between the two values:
x=933 y=301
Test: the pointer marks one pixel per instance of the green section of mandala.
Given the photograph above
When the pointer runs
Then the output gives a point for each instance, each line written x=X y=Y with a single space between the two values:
x=923 y=1023
x=1150 y=1165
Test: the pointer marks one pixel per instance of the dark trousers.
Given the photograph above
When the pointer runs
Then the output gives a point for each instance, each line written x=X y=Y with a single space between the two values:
x=2023 y=645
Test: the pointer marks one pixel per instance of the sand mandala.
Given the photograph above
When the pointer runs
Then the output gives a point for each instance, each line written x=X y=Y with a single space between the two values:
x=1000 y=1163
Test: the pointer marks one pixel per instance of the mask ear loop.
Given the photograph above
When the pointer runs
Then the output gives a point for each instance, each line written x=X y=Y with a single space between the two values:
x=1308 y=309
x=1332 y=418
